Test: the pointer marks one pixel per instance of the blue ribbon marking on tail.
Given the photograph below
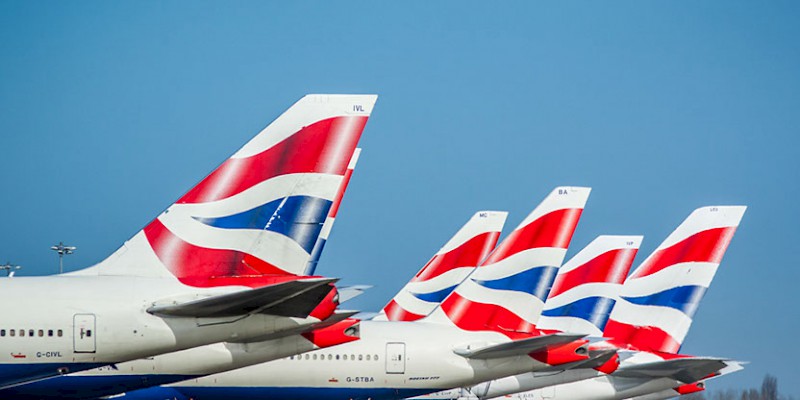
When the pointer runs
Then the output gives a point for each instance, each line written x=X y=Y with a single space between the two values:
x=299 y=218
x=435 y=297
x=683 y=298
x=596 y=310
x=537 y=281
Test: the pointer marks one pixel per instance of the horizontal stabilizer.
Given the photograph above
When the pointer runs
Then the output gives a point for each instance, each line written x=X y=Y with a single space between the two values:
x=519 y=347
x=286 y=299
x=351 y=292
x=596 y=359
x=366 y=315
x=338 y=316
x=686 y=370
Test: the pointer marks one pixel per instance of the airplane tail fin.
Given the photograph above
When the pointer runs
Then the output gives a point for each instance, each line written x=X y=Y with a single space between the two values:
x=588 y=285
x=316 y=252
x=507 y=291
x=260 y=212
x=447 y=268
x=659 y=299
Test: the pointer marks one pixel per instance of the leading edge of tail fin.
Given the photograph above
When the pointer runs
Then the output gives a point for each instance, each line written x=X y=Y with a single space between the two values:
x=587 y=286
x=322 y=239
x=506 y=292
x=447 y=268
x=659 y=299
x=260 y=212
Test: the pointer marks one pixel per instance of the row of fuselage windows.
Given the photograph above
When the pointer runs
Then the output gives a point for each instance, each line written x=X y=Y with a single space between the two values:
x=335 y=357
x=31 y=332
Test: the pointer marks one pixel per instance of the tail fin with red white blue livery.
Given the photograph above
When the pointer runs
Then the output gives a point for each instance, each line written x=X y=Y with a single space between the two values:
x=261 y=211
x=588 y=285
x=506 y=292
x=448 y=267
x=659 y=300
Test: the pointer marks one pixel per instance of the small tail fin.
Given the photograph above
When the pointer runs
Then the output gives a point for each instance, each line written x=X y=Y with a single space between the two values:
x=659 y=300
x=588 y=285
x=447 y=268
x=316 y=252
x=507 y=291
x=261 y=211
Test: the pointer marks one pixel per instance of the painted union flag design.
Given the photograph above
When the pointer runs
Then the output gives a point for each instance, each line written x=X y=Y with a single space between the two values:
x=660 y=298
x=587 y=286
x=506 y=292
x=447 y=268
x=263 y=211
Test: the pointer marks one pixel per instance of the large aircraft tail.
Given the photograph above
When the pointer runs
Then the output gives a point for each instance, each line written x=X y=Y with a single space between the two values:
x=447 y=268
x=507 y=291
x=261 y=211
x=588 y=285
x=659 y=300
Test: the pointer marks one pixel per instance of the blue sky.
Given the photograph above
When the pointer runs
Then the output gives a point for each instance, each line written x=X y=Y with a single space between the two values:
x=109 y=111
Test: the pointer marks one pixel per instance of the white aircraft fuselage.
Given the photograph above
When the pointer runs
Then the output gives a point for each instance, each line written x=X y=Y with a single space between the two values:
x=392 y=360
x=64 y=324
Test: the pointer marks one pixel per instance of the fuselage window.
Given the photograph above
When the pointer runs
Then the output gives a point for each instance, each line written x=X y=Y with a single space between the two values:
x=314 y=356
x=337 y=357
x=2 y=332
x=60 y=333
x=22 y=332
x=49 y=332
x=344 y=356
x=360 y=357
x=376 y=357
x=330 y=357
x=307 y=356
x=11 y=332
x=30 y=332
x=367 y=357
x=88 y=333
x=41 y=333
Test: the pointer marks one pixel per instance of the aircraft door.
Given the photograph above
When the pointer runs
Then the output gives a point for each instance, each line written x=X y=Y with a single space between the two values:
x=395 y=358
x=83 y=333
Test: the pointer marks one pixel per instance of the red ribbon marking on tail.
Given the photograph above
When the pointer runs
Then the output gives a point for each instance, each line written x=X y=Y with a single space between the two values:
x=322 y=147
